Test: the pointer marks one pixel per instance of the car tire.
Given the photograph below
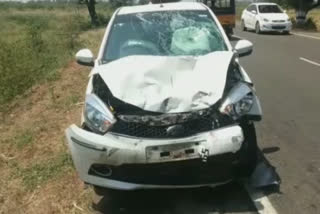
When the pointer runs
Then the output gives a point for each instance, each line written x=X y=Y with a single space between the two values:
x=286 y=32
x=257 y=29
x=106 y=199
x=243 y=26
x=113 y=195
x=248 y=154
x=103 y=191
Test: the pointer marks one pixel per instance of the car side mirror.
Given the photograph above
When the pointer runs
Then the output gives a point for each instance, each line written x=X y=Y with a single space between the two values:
x=253 y=11
x=85 y=57
x=243 y=48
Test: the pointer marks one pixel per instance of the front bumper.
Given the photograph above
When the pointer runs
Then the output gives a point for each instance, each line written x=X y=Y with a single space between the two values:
x=276 y=27
x=123 y=162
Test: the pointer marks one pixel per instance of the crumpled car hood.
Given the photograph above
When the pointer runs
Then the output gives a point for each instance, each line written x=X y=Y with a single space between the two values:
x=168 y=84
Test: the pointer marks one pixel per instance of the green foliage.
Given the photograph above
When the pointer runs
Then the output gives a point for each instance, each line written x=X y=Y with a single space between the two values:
x=301 y=4
x=104 y=12
x=40 y=173
x=308 y=25
x=282 y=3
x=28 y=58
x=103 y=19
x=32 y=5
x=120 y=3
x=23 y=139
x=36 y=40
x=240 y=6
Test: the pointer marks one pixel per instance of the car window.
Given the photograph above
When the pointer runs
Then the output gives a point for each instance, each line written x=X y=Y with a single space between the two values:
x=254 y=8
x=269 y=9
x=250 y=8
x=169 y=33
x=222 y=3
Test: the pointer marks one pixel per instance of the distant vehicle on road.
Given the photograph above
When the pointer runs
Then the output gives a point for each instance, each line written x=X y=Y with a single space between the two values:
x=168 y=104
x=265 y=17
x=225 y=10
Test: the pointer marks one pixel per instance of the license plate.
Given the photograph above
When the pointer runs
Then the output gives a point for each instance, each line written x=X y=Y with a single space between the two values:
x=278 y=27
x=171 y=152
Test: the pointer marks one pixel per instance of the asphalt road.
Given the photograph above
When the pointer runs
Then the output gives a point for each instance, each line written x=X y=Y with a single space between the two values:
x=231 y=199
x=289 y=90
x=286 y=72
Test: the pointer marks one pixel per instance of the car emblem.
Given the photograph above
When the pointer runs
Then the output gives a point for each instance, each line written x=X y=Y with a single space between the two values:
x=175 y=130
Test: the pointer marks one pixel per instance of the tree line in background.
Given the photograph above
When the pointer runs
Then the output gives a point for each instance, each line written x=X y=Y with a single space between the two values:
x=91 y=4
x=114 y=3
x=302 y=7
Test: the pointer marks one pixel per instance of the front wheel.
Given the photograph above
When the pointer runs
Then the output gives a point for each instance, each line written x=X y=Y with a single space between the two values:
x=107 y=199
x=258 y=31
x=286 y=32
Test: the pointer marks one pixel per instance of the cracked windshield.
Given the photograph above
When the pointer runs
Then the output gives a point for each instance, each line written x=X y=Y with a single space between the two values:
x=169 y=33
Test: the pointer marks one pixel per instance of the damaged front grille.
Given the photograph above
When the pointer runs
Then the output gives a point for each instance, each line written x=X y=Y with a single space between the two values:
x=175 y=130
x=136 y=122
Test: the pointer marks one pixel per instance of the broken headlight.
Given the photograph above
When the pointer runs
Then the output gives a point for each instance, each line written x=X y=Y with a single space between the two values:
x=238 y=102
x=98 y=117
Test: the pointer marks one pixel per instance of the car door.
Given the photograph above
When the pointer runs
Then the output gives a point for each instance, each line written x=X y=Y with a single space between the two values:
x=252 y=12
x=248 y=16
x=245 y=15
x=254 y=16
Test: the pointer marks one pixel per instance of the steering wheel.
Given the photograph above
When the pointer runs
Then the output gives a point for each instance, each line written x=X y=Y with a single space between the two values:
x=138 y=47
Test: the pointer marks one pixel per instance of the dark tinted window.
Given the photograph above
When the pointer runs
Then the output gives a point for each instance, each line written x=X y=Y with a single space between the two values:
x=250 y=8
x=222 y=3
x=269 y=9
x=254 y=8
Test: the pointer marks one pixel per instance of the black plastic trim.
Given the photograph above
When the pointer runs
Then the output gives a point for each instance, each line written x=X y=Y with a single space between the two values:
x=86 y=145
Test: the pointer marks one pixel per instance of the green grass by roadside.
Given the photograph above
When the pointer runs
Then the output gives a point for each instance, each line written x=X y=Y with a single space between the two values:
x=38 y=39
x=239 y=8
x=313 y=20
x=41 y=89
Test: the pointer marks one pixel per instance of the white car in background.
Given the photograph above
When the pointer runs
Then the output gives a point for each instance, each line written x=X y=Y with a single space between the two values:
x=265 y=17
x=167 y=105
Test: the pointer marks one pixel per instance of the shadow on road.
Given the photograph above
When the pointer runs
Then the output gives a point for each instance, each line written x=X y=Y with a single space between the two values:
x=272 y=33
x=269 y=150
x=231 y=198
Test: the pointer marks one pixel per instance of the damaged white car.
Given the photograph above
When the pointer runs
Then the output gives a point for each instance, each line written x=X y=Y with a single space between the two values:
x=167 y=105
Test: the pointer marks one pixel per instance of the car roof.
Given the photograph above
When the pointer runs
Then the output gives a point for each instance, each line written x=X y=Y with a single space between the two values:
x=161 y=7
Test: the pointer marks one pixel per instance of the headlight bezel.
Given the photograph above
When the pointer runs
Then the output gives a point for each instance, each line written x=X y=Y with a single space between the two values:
x=97 y=116
x=265 y=20
x=238 y=102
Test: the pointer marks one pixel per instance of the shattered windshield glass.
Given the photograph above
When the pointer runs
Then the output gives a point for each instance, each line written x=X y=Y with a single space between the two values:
x=165 y=33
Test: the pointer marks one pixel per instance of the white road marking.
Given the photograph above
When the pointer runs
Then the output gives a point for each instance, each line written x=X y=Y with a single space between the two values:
x=309 y=61
x=304 y=35
x=261 y=201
